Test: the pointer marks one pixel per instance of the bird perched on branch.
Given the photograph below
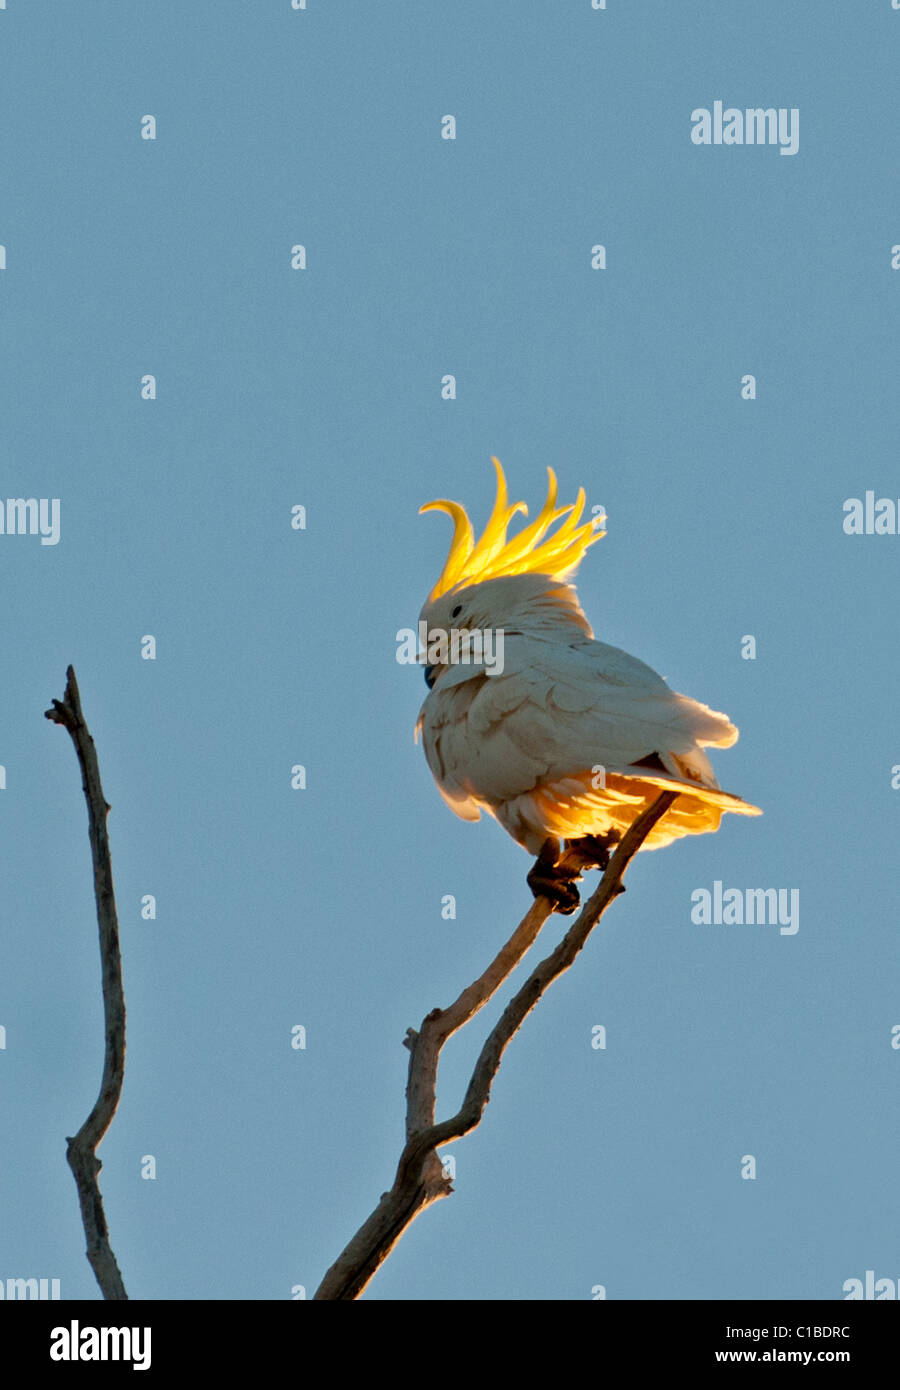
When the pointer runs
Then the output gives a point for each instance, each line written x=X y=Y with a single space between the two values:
x=558 y=736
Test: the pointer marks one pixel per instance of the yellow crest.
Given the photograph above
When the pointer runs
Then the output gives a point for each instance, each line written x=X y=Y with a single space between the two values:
x=530 y=551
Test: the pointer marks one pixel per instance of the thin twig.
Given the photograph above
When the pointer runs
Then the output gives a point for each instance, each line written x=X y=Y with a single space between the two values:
x=420 y=1179
x=81 y=1151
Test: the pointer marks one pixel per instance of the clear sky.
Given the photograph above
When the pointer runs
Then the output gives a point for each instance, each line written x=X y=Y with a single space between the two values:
x=280 y=387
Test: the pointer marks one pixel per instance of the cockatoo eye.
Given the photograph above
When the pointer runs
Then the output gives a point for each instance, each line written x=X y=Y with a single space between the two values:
x=457 y=610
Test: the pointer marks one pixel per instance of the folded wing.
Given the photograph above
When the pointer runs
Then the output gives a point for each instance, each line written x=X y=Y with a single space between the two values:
x=572 y=739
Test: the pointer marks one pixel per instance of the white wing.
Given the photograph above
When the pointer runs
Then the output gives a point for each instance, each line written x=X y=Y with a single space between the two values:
x=558 y=710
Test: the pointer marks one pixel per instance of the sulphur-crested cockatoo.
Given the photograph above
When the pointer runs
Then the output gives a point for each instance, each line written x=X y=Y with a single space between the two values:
x=556 y=735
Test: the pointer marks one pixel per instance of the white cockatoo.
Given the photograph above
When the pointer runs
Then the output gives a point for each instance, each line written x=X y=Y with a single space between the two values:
x=528 y=717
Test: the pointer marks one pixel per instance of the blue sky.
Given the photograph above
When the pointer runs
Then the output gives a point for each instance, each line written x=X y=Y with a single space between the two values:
x=279 y=387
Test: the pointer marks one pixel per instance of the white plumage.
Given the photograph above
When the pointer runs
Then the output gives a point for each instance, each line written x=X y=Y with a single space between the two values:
x=574 y=737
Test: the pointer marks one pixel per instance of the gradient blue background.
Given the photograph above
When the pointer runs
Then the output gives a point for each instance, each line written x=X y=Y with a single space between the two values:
x=275 y=647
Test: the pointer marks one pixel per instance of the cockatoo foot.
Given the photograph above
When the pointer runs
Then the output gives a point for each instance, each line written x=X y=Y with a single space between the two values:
x=594 y=850
x=547 y=879
x=561 y=891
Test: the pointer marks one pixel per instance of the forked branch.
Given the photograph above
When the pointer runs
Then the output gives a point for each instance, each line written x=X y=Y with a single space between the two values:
x=81 y=1151
x=420 y=1179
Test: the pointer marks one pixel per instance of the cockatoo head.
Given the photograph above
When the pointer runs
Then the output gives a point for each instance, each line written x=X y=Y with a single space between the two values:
x=515 y=584
x=526 y=604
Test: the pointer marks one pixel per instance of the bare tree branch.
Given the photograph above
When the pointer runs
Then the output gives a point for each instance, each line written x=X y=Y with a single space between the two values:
x=81 y=1151
x=420 y=1179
